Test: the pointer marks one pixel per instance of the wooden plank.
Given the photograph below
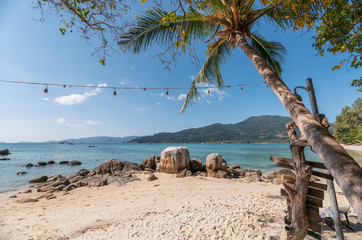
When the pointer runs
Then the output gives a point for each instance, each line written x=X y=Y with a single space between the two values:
x=315 y=227
x=281 y=160
x=322 y=175
x=310 y=200
x=314 y=216
x=315 y=235
x=283 y=165
x=316 y=164
x=311 y=184
x=316 y=193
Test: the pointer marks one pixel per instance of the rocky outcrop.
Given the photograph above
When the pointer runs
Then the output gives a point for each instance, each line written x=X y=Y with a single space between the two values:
x=215 y=162
x=129 y=168
x=4 y=159
x=29 y=165
x=175 y=159
x=51 y=162
x=4 y=152
x=184 y=173
x=39 y=179
x=149 y=163
x=196 y=165
x=110 y=166
x=63 y=162
x=42 y=164
x=74 y=163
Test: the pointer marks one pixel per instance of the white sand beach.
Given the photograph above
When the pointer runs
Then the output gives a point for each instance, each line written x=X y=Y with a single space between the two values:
x=353 y=147
x=167 y=208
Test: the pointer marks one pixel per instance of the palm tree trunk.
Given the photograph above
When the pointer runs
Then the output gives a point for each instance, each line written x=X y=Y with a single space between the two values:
x=344 y=169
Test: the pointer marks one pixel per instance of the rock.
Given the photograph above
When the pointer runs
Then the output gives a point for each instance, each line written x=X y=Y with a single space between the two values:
x=129 y=168
x=42 y=164
x=278 y=181
x=81 y=183
x=39 y=179
x=196 y=165
x=97 y=182
x=215 y=162
x=158 y=163
x=74 y=163
x=74 y=178
x=82 y=172
x=175 y=159
x=253 y=176
x=282 y=172
x=4 y=152
x=61 y=181
x=28 y=191
x=21 y=173
x=47 y=196
x=13 y=196
x=51 y=162
x=59 y=187
x=29 y=165
x=221 y=174
x=201 y=174
x=234 y=166
x=150 y=162
x=27 y=200
x=46 y=188
x=152 y=177
x=181 y=174
x=54 y=178
x=4 y=159
x=63 y=162
x=70 y=187
x=239 y=172
x=110 y=166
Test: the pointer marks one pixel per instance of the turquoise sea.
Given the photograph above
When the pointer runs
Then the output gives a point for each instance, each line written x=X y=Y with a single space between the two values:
x=254 y=156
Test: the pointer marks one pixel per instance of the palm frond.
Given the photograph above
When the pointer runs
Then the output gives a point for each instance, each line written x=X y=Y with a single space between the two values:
x=151 y=28
x=272 y=52
x=218 y=53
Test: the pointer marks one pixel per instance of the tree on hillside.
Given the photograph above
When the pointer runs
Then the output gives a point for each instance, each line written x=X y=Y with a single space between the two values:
x=226 y=24
x=348 y=125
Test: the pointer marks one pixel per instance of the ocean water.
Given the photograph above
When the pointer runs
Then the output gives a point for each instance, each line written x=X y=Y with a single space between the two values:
x=254 y=156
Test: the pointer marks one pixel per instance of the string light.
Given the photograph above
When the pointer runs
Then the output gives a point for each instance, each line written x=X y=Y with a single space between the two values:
x=115 y=92
x=127 y=88
x=46 y=90
x=241 y=89
x=167 y=92
x=208 y=91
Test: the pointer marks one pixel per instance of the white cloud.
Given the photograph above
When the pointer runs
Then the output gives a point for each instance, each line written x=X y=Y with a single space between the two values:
x=209 y=91
x=140 y=109
x=79 y=98
x=181 y=97
x=60 y=120
x=45 y=99
x=132 y=68
x=192 y=77
x=158 y=103
x=92 y=122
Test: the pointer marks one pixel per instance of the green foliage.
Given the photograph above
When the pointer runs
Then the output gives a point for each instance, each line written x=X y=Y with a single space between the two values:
x=254 y=129
x=348 y=125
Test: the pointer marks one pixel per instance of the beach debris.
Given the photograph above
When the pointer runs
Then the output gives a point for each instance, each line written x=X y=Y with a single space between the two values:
x=51 y=162
x=152 y=177
x=27 y=200
x=29 y=165
x=42 y=164
x=175 y=159
x=4 y=159
x=4 y=152
x=21 y=173
x=63 y=162
x=74 y=163
x=39 y=179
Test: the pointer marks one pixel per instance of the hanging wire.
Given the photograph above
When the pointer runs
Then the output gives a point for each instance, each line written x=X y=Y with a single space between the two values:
x=125 y=88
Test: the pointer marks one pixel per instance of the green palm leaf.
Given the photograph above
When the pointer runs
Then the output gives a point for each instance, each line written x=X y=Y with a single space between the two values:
x=210 y=72
x=151 y=28
x=272 y=52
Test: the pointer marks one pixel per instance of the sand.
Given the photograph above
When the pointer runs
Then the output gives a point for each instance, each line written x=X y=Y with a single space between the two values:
x=167 y=208
x=354 y=147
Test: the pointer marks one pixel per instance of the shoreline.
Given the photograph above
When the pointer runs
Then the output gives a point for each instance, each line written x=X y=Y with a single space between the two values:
x=167 y=208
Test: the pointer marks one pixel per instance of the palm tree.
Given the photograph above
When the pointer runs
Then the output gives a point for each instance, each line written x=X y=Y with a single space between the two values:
x=231 y=22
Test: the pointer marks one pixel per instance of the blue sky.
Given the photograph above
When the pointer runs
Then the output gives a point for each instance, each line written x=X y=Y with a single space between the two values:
x=32 y=51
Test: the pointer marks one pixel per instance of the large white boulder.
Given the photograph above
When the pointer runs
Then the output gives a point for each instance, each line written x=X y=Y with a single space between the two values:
x=175 y=159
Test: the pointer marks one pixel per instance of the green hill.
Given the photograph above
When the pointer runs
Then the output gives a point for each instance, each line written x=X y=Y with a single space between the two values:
x=254 y=129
